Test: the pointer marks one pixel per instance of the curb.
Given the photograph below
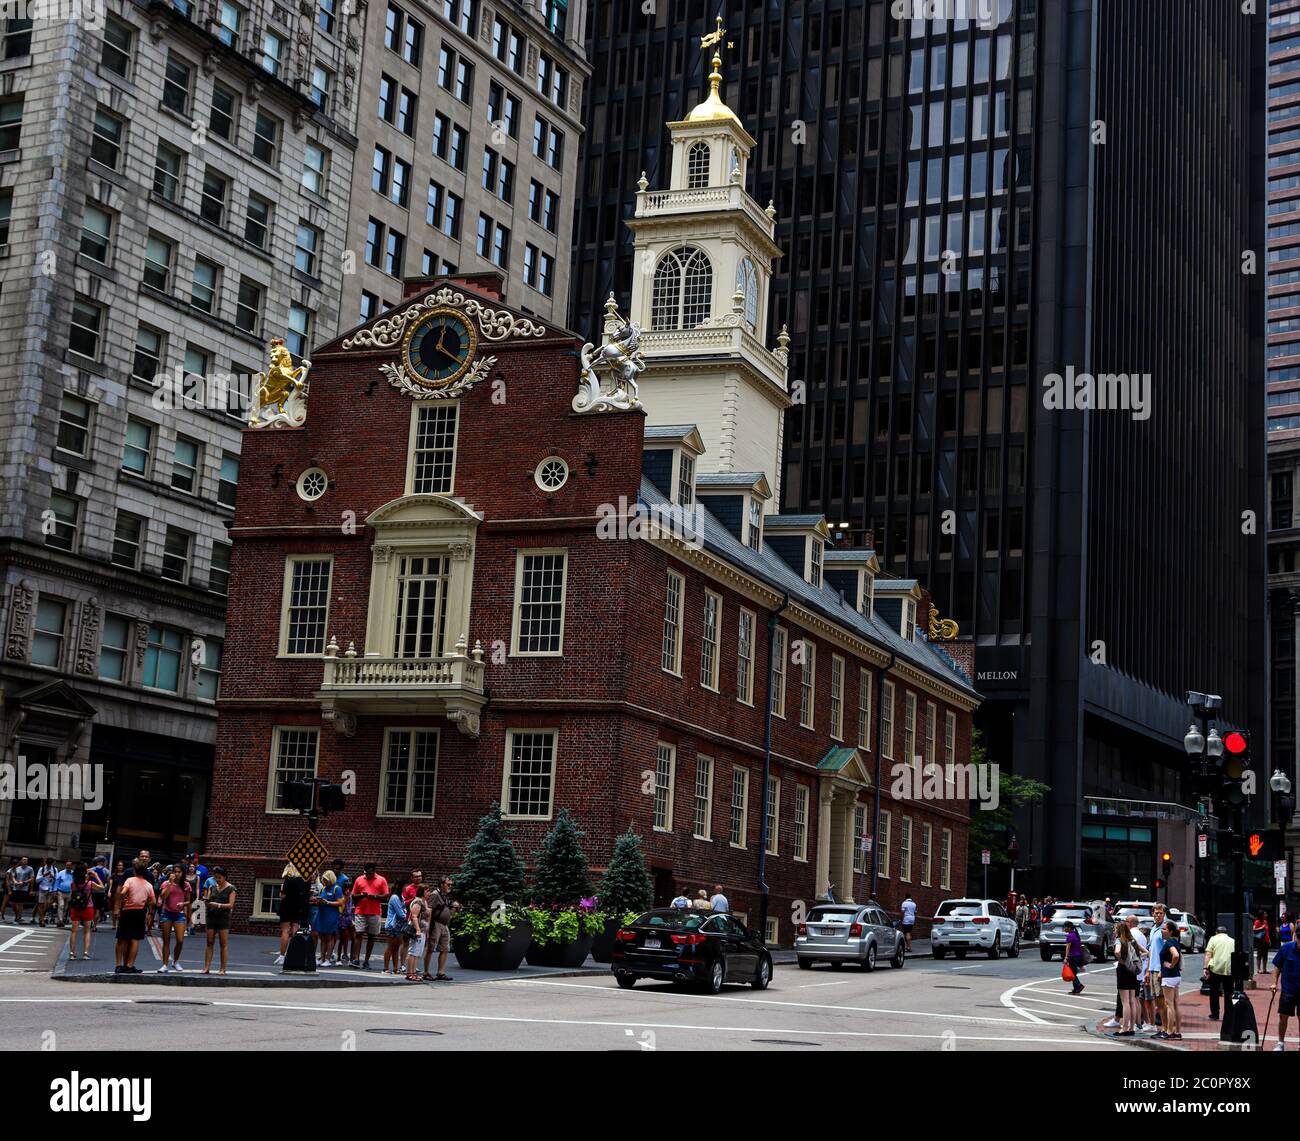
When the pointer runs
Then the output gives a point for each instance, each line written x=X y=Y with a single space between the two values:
x=1141 y=1043
x=198 y=979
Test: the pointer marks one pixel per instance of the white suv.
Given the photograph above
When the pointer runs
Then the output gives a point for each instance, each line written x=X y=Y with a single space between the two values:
x=961 y=925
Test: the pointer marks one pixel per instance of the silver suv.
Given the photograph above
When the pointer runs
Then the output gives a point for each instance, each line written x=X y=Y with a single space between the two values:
x=1089 y=919
x=962 y=925
x=838 y=933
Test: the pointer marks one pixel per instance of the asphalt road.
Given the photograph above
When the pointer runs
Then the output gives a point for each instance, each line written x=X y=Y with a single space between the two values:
x=1010 y=1005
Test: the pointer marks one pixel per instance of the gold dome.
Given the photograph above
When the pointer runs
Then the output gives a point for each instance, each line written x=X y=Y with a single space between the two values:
x=713 y=108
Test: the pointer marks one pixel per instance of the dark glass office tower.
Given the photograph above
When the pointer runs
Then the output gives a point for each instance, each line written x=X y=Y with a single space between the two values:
x=970 y=207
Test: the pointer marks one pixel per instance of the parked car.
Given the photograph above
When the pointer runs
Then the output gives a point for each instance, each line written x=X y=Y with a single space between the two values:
x=690 y=947
x=1143 y=909
x=1089 y=919
x=838 y=933
x=961 y=925
x=1191 y=931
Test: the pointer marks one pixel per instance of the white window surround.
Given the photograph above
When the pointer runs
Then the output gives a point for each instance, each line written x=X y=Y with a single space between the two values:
x=390 y=731
x=414 y=435
x=289 y=563
x=548 y=730
x=272 y=766
x=665 y=785
x=711 y=641
x=520 y=556
x=429 y=525
x=263 y=889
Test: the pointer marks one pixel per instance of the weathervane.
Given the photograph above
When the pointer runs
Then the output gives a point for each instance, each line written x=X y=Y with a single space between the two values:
x=714 y=40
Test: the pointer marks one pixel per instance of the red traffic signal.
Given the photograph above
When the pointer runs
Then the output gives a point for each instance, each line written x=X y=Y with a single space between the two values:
x=1256 y=844
x=1236 y=742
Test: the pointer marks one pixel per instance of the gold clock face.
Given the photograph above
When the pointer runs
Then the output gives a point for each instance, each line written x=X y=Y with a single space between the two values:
x=439 y=348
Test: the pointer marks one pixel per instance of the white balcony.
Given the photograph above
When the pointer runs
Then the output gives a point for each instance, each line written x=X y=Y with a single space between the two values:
x=450 y=686
x=704 y=200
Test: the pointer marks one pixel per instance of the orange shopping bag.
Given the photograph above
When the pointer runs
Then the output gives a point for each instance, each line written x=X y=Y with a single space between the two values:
x=1067 y=973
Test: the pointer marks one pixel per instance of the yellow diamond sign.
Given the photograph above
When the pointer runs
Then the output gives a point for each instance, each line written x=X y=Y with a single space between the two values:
x=307 y=854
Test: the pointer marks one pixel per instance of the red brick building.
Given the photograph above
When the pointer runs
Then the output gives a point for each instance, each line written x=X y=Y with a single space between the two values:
x=444 y=594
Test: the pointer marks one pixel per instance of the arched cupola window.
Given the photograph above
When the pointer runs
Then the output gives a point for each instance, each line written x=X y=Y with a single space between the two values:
x=747 y=284
x=683 y=289
x=697 y=166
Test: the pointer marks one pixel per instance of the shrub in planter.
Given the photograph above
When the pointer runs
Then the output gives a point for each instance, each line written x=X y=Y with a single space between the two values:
x=490 y=931
x=563 y=928
x=625 y=892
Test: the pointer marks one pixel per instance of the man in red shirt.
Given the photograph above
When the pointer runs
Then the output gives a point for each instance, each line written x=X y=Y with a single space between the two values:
x=369 y=894
x=408 y=892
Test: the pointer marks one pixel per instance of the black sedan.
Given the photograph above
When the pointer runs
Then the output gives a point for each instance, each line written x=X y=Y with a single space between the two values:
x=683 y=947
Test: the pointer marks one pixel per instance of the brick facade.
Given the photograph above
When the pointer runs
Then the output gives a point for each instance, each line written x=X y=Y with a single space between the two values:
x=606 y=696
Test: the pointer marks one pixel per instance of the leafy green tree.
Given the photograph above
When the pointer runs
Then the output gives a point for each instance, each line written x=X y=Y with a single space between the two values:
x=491 y=870
x=625 y=886
x=563 y=877
x=992 y=828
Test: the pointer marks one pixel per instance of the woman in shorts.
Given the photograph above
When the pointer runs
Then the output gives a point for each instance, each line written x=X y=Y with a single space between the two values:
x=1171 y=979
x=173 y=910
x=417 y=915
x=81 y=912
x=295 y=896
x=1128 y=962
x=220 y=899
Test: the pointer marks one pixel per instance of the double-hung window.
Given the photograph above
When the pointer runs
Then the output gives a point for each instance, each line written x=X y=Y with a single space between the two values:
x=306 y=606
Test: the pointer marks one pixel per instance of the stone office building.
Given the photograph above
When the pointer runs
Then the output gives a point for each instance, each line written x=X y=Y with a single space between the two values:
x=174 y=187
x=469 y=125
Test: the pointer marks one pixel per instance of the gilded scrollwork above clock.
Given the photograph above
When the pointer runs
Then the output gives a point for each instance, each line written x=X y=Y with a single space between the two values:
x=439 y=338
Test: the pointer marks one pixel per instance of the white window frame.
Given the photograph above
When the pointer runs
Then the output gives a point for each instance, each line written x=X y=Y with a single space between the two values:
x=808 y=686
x=883 y=843
x=859 y=830
x=290 y=561
x=740 y=773
x=673 y=627
x=703 y=768
x=773 y=816
x=511 y=734
x=910 y=755
x=927 y=837
x=710 y=655
x=905 y=851
x=837 y=697
x=780 y=651
x=945 y=858
x=931 y=719
x=665 y=782
x=270 y=888
x=950 y=747
x=410 y=731
x=801 y=806
x=864 y=708
x=272 y=766
x=745 y=661
x=517 y=620
x=414 y=436
x=887 y=719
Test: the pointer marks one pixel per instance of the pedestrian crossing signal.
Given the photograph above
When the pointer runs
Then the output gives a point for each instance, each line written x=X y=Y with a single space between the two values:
x=1266 y=845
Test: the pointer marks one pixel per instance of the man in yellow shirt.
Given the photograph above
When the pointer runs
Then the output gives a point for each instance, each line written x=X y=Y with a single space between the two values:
x=1218 y=960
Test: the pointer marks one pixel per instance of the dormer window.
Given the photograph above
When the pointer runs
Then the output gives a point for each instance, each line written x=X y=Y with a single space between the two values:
x=755 y=536
x=697 y=166
x=909 y=620
x=685 y=479
x=866 y=593
x=815 y=548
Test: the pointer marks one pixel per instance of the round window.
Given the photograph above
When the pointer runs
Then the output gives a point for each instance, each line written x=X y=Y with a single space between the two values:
x=551 y=474
x=312 y=484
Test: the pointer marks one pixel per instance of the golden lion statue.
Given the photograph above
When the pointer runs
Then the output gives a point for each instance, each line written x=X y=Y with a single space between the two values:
x=278 y=386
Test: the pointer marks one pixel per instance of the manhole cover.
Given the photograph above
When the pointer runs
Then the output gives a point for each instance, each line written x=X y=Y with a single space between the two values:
x=398 y=1030
x=785 y=1042
x=170 y=1002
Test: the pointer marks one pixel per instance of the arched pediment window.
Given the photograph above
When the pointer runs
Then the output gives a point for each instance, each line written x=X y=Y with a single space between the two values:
x=697 y=166
x=683 y=289
x=747 y=284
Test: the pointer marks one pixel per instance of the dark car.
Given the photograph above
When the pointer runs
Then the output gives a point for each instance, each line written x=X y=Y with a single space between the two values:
x=683 y=947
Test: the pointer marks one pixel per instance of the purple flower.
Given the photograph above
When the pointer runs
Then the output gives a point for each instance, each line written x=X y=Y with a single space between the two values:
x=588 y=904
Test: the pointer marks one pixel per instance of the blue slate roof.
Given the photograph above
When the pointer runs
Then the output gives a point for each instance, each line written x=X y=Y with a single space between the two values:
x=767 y=568
x=899 y=584
x=669 y=431
x=728 y=479
x=850 y=555
x=792 y=520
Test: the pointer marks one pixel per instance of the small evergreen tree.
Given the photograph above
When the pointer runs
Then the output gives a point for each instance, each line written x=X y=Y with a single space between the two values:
x=562 y=878
x=491 y=870
x=625 y=886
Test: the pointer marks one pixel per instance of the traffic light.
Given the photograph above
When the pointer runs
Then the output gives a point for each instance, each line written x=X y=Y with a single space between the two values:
x=1267 y=845
x=1229 y=843
x=1237 y=780
x=331 y=798
x=298 y=795
x=1166 y=865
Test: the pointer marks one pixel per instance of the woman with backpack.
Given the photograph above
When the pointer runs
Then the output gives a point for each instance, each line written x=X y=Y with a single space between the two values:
x=1128 y=964
x=81 y=912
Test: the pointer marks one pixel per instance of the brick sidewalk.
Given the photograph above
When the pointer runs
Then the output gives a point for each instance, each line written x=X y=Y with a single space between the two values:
x=1200 y=1033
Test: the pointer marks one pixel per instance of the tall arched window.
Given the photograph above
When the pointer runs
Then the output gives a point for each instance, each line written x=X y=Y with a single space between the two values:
x=747 y=283
x=697 y=166
x=683 y=289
